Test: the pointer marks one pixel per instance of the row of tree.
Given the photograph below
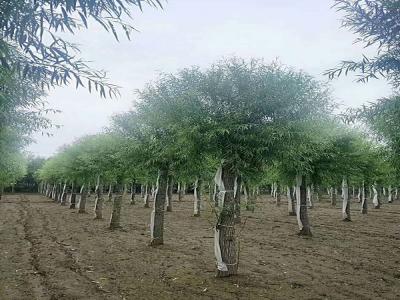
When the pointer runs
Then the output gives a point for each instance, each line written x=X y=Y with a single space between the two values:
x=240 y=122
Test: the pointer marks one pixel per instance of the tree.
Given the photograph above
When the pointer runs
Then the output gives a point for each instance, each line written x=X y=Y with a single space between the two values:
x=377 y=24
x=32 y=48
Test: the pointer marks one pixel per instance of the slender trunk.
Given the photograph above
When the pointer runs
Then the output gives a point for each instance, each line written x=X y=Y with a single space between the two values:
x=309 y=197
x=115 y=220
x=225 y=243
x=291 y=201
x=364 y=203
x=248 y=198
x=180 y=192
x=170 y=184
x=346 y=202
x=64 y=195
x=333 y=196
x=146 y=196
x=359 y=195
x=72 y=198
x=157 y=215
x=110 y=193
x=197 y=198
x=301 y=212
x=390 y=200
x=89 y=190
x=215 y=196
x=277 y=195
x=142 y=190
x=82 y=202
x=375 y=199
x=396 y=195
x=236 y=195
x=98 y=207
x=133 y=193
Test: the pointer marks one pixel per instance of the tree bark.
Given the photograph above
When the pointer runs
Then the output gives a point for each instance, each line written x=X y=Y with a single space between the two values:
x=346 y=201
x=301 y=212
x=197 y=198
x=115 y=221
x=225 y=235
x=72 y=198
x=157 y=215
x=390 y=199
x=215 y=196
x=170 y=184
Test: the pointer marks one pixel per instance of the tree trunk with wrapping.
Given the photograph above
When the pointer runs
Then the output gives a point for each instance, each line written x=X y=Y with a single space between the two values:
x=157 y=215
x=146 y=197
x=82 y=202
x=180 y=192
x=364 y=202
x=333 y=196
x=110 y=193
x=115 y=220
x=237 y=199
x=197 y=198
x=277 y=195
x=390 y=196
x=98 y=206
x=225 y=228
x=291 y=201
x=375 y=199
x=346 y=201
x=132 y=197
x=302 y=214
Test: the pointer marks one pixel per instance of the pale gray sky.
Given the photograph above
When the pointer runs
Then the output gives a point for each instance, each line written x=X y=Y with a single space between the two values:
x=304 y=34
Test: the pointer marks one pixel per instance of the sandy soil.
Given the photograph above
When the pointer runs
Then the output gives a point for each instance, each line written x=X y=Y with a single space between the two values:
x=51 y=252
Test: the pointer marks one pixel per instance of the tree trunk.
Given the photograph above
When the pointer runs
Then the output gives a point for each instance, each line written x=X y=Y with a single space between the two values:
x=82 y=202
x=72 y=197
x=110 y=193
x=301 y=212
x=236 y=192
x=364 y=203
x=225 y=235
x=309 y=197
x=291 y=201
x=333 y=196
x=157 y=215
x=346 y=201
x=170 y=184
x=133 y=193
x=375 y=199
x=277 y=195
x=197 y=198
x=98 y=207
x=215 y=196
x=146 y=196
x=180 y=192
x=390 y=200
x=142 y=190
x=115 y=220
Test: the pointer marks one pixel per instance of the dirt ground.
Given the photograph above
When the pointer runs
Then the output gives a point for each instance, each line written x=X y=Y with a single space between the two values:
x=51 y=252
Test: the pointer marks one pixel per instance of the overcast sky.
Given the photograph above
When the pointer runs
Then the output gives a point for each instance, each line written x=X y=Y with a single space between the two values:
x=305 y=34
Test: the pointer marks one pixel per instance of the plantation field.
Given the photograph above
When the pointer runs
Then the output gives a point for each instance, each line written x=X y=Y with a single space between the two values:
x=51 y=252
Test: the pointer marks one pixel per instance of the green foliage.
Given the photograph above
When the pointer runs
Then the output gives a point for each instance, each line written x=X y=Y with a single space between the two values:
x=378 y=24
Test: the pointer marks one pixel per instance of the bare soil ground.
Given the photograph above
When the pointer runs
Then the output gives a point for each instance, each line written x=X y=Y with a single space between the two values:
x=51 y=252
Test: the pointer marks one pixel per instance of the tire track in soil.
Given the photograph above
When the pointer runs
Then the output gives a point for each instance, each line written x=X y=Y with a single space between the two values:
x=55 y=268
